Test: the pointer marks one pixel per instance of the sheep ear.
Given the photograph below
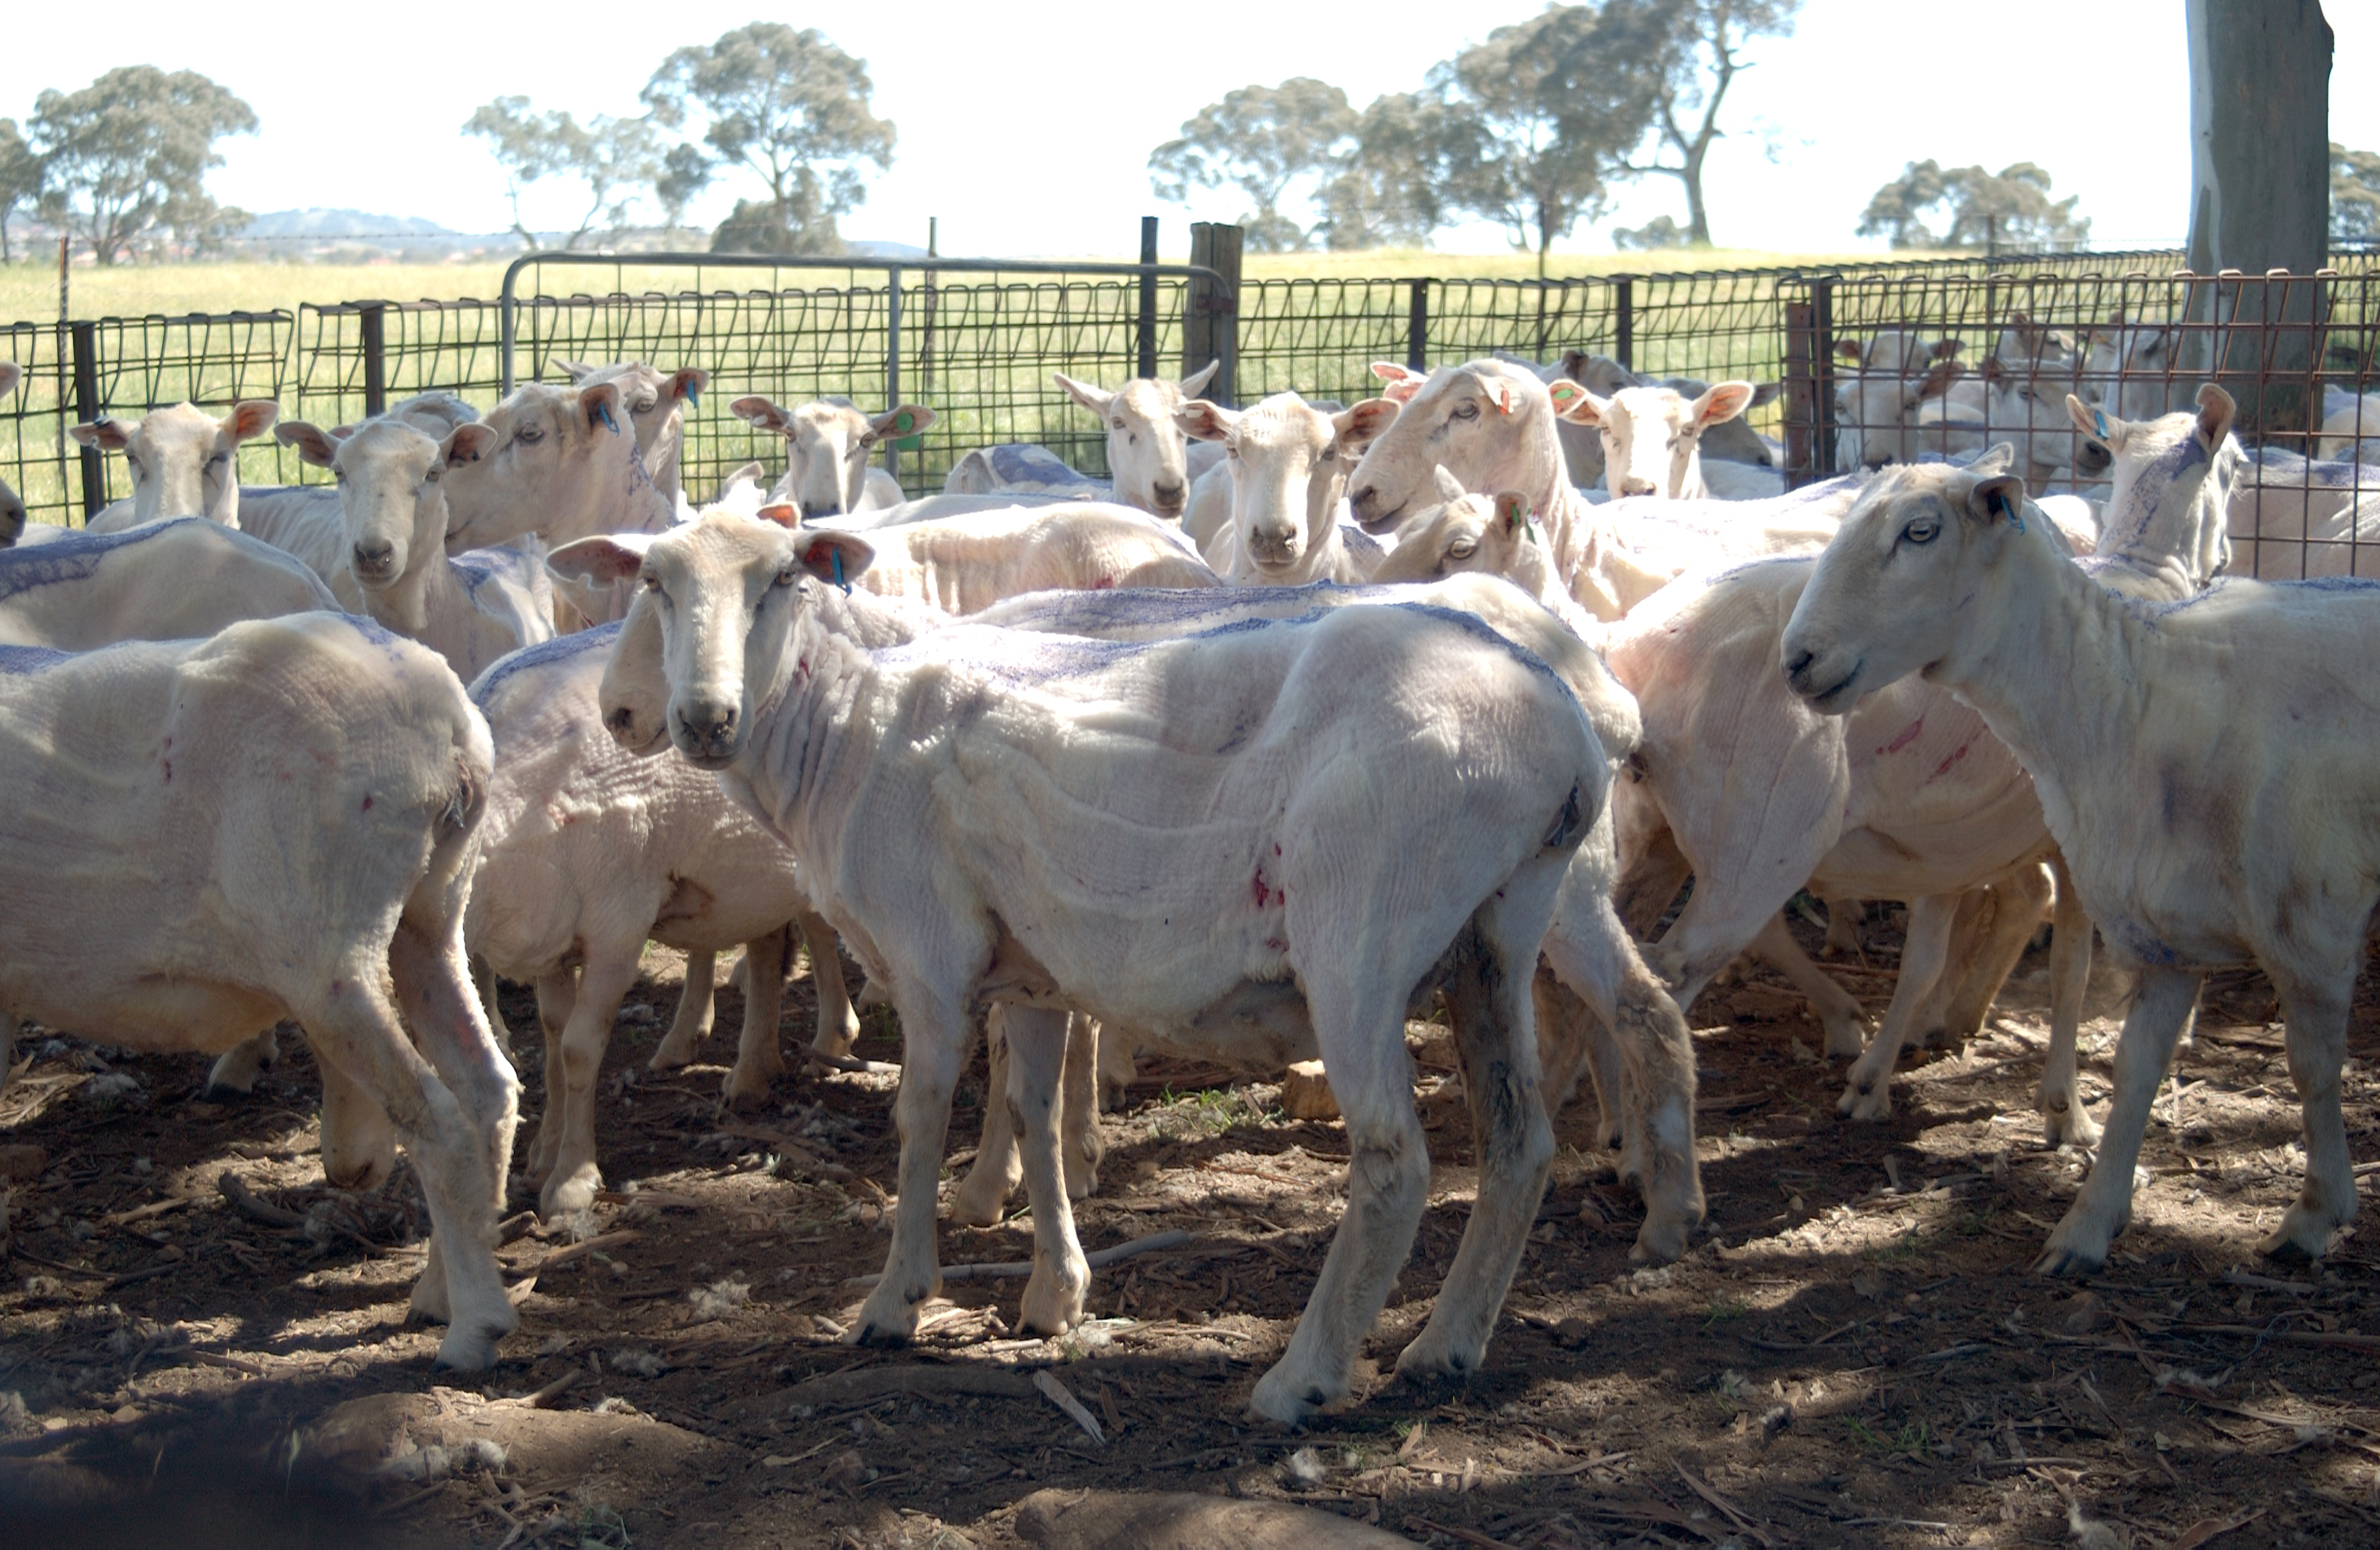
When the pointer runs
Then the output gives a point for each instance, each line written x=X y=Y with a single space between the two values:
x=1764 y=392
x=906 y=420
x=784 y=514
x=1360 y=425
x=1574 y=363
x=2215 y=411
x=1449 y=487
x=1997 y=499
x=252 y=416
x=1097 y=400
x=108 y=435
x=1588 y=409
x=1848 y=349
x=576 y=371
x=314 y=445
x=10 y=374
x=467 y=443
x=686 y=383
x=759 y=412
x=1204 y=421
x=1998 y=459
x=1512 y=509
x=599 y=405
x=2096 y=424
x=823 y=547
x=1195 y=384
x=1721 y=403
x=1945 y=349
x=603 y=560
x=1404 y=380
x=1565 y=392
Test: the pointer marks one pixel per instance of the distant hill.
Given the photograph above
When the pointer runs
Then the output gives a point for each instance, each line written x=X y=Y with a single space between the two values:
x=319 y=224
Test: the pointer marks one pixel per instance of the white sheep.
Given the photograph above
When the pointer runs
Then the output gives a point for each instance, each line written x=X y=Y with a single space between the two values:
x=828 y=444
x=180 y=579
x=280 y=822
x=184 y=461
x=1286 y=463
x=1652 y=437
x=1148 y=461
x=2203 y=763
x=392 y=489
x=656 y=402
x=1039 y=856
x=585 y=853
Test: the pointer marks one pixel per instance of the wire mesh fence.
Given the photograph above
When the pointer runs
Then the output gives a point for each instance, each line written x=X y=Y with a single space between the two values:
x=1907 y=360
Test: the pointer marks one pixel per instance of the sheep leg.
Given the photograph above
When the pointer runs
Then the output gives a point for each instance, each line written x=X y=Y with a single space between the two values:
x=759 y=1060
x=1490 y=1005
x=1989 y=934
x=982 y=1196
x=236 y=1069
x=483 y=980
x=1845 y=1021
x=1842 y=928
x=453 y=1150
x=358 y=1142
x=571 y=1183
x=1116 y=1070
x=1037 y=1068
x=934 y=1031
x=557 y=995
x=2317 y=1015
x=1360 y=1029
x=1080 y=1092
x=1868 y=1093
x=2065 y=1122
x=1651 y=867
x=695 y=1008
x=838 y=1024
x=1572 y=1041
x=2078 y=1245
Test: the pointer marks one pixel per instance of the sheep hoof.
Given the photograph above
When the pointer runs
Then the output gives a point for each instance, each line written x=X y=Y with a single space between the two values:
x=470 y=1351
x=1845 y=1043
x=1433 y=1359
x=1286 y=1399
x=2068 y=1127
x=884 y=1319
x=745 y=1090
x=2302 y=1238
x=566 y=1192
x=1662 y=1239
x=1053 y=1299
x=974 y=1206
x=1866 y=1104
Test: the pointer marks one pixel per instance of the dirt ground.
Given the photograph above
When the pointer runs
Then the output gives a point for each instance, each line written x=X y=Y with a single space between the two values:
x=1852 y=1353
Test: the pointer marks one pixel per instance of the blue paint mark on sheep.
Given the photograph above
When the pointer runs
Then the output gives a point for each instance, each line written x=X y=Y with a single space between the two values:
x=72 y=558
x=20 y=661
x=560 y=649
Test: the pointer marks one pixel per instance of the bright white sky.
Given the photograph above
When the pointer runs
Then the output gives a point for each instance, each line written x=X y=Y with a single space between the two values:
x=1026 y=128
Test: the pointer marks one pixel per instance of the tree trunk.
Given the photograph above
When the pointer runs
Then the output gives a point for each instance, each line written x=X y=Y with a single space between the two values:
x=1697 y=213
x=2260 y=200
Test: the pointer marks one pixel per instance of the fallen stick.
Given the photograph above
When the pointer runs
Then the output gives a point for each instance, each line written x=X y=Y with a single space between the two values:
x=581 y=1249
x=1064 y=1398
x=846 y=1062
x=143 y=1213
x=1704 y=1490
x=2289 y=1337
x=245 y=1201
x=1010 y=1269
x=553 y=1390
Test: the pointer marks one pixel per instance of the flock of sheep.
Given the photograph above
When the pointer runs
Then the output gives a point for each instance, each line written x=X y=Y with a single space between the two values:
x=1307 y=718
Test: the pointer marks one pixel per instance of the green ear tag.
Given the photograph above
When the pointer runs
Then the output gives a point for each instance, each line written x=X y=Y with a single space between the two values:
x=904 y=422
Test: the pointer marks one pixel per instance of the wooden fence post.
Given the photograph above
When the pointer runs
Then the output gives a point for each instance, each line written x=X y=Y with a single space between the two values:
x=1210 y=322
x=1144 y=340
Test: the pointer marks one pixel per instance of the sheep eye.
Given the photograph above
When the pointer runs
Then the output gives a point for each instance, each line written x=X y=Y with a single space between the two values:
x=1231 y=451
x=1921 y=531
x=1463 y=548
x=433 y=477
x=1330 y=455
x=642 y=407
x=1117 y=422
x=651 y=582
x=528 y=435
x=1466 y=410
x=218 y=460
x=789 y=577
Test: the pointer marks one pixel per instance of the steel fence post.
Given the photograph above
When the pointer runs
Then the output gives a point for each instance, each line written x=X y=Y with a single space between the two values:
x=892 y=364
x=85 y=345
x=375 y=360
x=1418 y=327
x=1145 y=341
x=1623 y=321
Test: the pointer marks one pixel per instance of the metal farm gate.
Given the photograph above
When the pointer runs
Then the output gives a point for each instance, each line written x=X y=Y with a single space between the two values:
x=977 y=340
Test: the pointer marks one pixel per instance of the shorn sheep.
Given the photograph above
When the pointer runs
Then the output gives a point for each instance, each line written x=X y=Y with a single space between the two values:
x=207 y=836
x=989 y=814
x=2210 y=768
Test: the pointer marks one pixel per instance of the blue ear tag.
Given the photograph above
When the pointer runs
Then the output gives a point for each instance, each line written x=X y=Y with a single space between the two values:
x=606 y=410
x=834 y=557
x=2101 y=416
x=694 y=397
x=2015 y=517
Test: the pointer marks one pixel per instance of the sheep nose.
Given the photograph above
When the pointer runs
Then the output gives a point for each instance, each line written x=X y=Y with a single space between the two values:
x=1366 y=500
x=708 y=724
x=1635 y=487
x=373 y=558
x=1797 y=666
x=1168 y=495
x=812 y=509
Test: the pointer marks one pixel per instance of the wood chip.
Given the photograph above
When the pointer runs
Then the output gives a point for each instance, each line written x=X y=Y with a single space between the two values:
x=247 y=1202
x=584 y=1247
x=1010 y=1269
x=1061 y=1395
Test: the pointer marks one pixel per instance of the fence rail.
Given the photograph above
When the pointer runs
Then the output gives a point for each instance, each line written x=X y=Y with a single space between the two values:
x=977 y=340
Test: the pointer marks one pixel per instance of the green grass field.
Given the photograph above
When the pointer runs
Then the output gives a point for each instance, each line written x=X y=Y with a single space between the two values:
x=28 y=291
